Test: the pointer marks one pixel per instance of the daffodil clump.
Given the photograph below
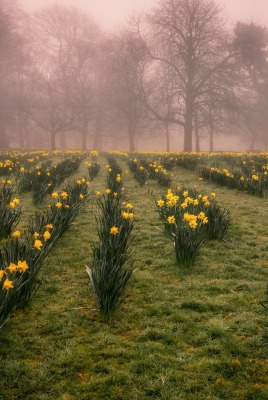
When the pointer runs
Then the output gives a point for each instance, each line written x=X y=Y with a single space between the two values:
x=23 y=255
x=189 y=218
x=138 y=170
x=114 y=177
x=93 y=169
x=66 y=204
x=144 y=168
x=10 y=209
x=160 y=174
x=205 y=210
x=109 y=274
x=11 y=280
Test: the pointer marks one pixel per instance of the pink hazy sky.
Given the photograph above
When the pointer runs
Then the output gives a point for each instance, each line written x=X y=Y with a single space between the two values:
x=111 y=13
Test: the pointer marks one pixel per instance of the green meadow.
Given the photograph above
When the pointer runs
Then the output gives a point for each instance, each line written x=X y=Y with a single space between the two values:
x=180 y=333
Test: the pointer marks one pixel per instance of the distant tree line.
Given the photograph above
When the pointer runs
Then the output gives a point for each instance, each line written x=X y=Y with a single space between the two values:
x=66 y=83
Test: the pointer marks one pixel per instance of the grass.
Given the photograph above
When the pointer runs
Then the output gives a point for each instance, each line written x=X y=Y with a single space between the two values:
x=197 y=333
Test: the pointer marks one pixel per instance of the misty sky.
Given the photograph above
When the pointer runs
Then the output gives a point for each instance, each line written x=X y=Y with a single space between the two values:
x=111 y=13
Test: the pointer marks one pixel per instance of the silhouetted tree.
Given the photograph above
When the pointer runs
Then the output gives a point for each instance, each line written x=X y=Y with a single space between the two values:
x=12 y=60
x=251 y=42
x=189 y=37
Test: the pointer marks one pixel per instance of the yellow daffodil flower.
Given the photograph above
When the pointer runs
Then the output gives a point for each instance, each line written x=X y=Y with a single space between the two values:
x=2 y=273
x=8 y=284
x=12 y=268
x=114 y=230
x=16 y=234
x=38 y=244
x=64 y=195
x=22 y=266
x=160 y=203
x=49 y=226
x=46 y=235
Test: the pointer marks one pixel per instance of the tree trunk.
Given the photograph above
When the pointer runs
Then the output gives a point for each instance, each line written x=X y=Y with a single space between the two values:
x=53 y=140
x=188 y=126
x=131 y=142
x=97 y=141
x=84 y=139
x=211 y=135
x=23 y=131
x=197 y=138
x=4 y=142
x=167 y=136
x=63 y=140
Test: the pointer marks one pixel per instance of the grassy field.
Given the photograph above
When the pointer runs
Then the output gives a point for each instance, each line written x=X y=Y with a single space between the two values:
x=197 y=333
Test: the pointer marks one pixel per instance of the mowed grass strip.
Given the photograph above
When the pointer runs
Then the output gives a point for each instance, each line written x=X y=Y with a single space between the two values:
x=199 y=333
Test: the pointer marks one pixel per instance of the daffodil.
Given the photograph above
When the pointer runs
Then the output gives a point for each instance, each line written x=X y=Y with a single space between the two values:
x=16 y=234
x=8 y=284
x=12 y=268
x=114 y=230
x=47 y=235
x=2 y=273
x=22 y=266
x=107 y=191
x=49 y=226
x=58 y=204
x=64 y=195
x=160 y=203
x=171 y=219
x=193 y=223
x=55 y=195
x=201 y=215
x=38 y=244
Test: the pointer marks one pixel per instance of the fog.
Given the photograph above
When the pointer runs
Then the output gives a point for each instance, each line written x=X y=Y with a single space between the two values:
x=119 y=75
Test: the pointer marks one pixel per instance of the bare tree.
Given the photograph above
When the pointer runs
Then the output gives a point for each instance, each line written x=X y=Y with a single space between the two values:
x=251 y=42
x=126 y=60
x=12 y=61
x=189 y=37
x=63 y=82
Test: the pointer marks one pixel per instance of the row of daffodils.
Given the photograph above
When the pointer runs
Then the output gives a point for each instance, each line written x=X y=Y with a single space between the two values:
x=247 y=172
x=23 y=254
x=112 y=265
